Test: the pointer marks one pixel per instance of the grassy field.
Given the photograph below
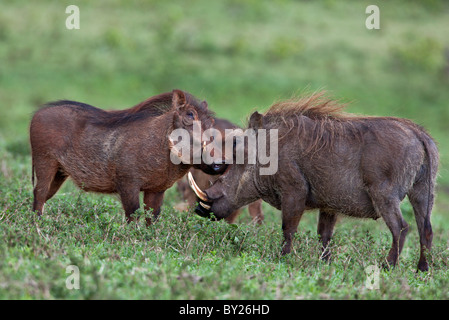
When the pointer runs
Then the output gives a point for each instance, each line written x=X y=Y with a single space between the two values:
x=240 y=56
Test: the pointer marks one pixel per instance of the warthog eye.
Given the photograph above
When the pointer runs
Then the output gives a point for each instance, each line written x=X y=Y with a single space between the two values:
x=190 y=115
x=219 y=168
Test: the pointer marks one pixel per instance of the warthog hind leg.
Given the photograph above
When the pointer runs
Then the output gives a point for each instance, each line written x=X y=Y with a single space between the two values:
x=326 y=224
x=49 y=180
x=389 y=208
x=419 y=198
x=153 y=200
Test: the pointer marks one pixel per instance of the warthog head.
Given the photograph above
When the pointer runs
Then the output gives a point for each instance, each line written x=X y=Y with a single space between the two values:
x=190 y=120
x=237 y=186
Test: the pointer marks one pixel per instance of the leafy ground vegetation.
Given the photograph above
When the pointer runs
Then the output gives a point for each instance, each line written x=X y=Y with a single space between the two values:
x=240 y=56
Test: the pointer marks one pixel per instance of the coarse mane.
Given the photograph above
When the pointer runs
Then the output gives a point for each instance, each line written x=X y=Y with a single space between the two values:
x=328 y=120
x=151 y=107
x=317 y=106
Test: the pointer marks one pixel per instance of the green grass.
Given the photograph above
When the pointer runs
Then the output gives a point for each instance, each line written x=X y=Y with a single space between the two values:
x=183 y=256
x=240 y=56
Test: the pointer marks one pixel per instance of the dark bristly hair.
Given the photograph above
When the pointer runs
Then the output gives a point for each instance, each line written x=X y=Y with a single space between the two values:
x=315 y=106
x=328 y=119
x=152 y=107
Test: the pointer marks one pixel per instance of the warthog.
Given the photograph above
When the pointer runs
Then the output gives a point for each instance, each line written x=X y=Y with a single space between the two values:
x=205 y=180
x=340 y=164
x=122 y=151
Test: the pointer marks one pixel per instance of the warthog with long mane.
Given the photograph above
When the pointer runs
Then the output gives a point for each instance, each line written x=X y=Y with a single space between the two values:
x=358 y=166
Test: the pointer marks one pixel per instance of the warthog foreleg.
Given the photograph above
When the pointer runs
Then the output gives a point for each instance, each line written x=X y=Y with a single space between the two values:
x=292 y=209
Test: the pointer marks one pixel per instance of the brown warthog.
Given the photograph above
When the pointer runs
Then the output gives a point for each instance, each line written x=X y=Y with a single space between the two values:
x=340 y=164
x=205 y=180
x=122 y=151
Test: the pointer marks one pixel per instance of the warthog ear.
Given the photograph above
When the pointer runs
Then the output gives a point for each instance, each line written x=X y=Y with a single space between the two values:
x=256 y=121
x=179 y=98
x=204 y=104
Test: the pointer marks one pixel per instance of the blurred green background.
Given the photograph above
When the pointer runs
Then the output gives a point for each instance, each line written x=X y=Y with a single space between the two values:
x=239 y=55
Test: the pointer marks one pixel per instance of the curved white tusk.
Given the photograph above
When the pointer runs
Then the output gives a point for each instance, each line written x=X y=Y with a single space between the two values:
x=205 y=206
x=200 y=193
